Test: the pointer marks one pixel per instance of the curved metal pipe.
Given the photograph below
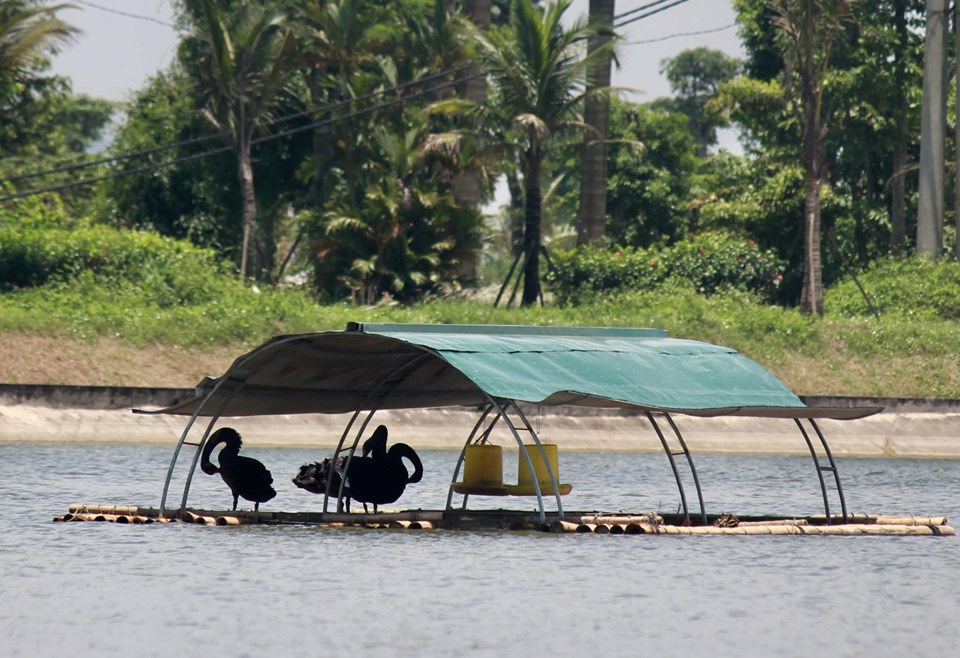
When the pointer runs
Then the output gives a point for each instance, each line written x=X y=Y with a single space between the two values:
x=203 y=403
x=673 y=465
x=381 y=390
x=183 y=438
x=693 y=469
x=543 y=456
x=833 y=467
x=816 y=461
x=463 y=453
x=523 y=453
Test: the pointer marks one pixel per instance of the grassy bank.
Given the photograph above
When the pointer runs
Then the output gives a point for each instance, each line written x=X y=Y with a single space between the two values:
x=85 y=335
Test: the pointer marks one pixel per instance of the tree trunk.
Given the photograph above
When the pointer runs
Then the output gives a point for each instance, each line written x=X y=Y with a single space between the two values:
x=932 y=133
x=245 y=173
x=321 y=147
x=593 y=171
x=898 y=211
x=466 y=186
x=811 y=298
x=956 y=140
x=516 y=213
x=531 y=228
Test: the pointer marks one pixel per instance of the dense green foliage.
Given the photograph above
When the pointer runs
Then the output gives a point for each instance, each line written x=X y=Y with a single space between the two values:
x=161 y=270
x=359 y=186
x=915 y=287
x=709 y=263
x=913 y=355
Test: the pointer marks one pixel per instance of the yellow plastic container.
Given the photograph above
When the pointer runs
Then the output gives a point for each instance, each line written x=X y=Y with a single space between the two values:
x=483 y=466
x=540 y=468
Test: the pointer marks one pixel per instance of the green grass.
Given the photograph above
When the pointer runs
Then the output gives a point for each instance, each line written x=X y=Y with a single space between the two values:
x=914 y=356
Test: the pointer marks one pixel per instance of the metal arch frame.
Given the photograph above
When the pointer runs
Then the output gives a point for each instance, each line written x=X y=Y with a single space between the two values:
x=463 y=451
x=193 y=418
x=379 y=392
x=821 y=468
x=501 y=408
x=676 y=471
x=693 y=469
x=200 y=444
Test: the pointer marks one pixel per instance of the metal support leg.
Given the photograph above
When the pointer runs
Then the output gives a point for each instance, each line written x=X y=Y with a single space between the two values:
x=693 y=469
x=831 y=467
x=673 y=465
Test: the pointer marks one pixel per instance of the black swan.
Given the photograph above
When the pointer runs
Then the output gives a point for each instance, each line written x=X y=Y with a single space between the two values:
x=380 y=476
x=246 y=477
x=313 y=477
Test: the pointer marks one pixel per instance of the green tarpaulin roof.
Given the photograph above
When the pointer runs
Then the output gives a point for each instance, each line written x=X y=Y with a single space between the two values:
x=401 y=366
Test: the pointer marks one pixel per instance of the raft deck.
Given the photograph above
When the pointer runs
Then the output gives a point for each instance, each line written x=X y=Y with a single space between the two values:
x=614 y=523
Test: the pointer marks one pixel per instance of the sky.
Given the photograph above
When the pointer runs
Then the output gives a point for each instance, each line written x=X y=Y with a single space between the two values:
x=116 y=52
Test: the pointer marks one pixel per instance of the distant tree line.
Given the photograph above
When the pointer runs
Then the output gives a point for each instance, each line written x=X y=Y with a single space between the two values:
x=353 y=143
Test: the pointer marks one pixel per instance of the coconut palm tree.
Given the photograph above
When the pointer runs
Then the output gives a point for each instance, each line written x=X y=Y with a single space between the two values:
x=336 y=38
x=539 y=74
x=27 y=33
x=808 y=31
x=245 y=62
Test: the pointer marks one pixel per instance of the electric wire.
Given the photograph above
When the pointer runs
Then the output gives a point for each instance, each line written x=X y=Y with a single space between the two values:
x=649 y=5
x=655 y=8
x=118 y=12
x=679 y=34
x=330 y=107
x=648 y=14
x=259 y=140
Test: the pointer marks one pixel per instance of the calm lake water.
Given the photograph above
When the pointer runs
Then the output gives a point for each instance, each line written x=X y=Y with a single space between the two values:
x=103 y=589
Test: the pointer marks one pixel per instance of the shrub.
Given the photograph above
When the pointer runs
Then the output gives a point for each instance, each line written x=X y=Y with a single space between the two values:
x=905 y=287
x=711 y=262
x=164 y=270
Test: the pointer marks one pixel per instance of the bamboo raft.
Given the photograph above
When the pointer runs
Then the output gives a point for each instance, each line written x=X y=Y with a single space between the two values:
x=572 y=522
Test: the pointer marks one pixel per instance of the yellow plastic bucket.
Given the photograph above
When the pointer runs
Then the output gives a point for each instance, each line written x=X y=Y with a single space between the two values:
x=539 y=467
x=483 y=466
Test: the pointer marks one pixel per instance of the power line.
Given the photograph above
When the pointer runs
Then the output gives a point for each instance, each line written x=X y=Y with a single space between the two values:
x=680 y=34
x=330 y=107
x=648 y=14
x=109 y=10
x=640 y=8
x=224 y=149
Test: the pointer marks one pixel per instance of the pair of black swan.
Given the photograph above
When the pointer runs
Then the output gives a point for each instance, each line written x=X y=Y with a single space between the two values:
x=378 y=477
x=246 y=477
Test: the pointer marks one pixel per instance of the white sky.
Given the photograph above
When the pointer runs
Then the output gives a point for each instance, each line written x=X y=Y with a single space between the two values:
x=115 y=54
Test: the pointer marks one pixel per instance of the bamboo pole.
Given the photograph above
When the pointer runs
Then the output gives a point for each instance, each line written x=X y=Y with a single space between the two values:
x=411 y=525
x=747 y=524
x=608 y=519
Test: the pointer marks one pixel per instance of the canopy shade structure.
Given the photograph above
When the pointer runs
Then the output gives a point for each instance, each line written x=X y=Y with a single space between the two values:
x=403 y=366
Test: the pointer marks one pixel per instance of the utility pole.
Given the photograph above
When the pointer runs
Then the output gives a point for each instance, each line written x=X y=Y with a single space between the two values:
x=933 y=132
x=593 y=160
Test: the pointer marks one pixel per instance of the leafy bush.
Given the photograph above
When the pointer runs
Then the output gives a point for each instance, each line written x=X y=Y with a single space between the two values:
x=32 y=211
x=905 y=287
x=711 y=262
x=165 y=271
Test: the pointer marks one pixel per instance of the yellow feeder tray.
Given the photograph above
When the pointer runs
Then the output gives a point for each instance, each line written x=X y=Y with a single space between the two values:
x=483 y=472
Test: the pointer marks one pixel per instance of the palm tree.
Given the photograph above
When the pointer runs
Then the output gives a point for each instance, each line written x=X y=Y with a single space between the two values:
x=808 y=31
x=336 y=38
x=407 y=237
x=27 y=32
x=539 y=75
x=245 y=65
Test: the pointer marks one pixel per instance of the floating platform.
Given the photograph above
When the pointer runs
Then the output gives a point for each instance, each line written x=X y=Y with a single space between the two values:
x=614 y=523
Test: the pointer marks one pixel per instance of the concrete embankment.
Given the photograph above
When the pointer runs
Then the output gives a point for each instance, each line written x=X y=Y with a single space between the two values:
x=906 y=428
